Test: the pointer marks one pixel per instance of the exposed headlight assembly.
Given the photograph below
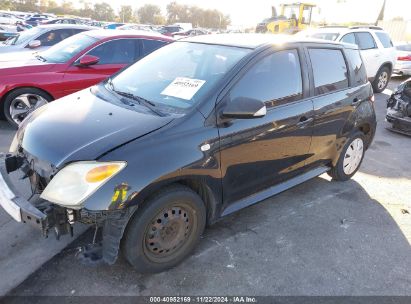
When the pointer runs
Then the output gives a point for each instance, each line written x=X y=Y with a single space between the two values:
x=77 y=181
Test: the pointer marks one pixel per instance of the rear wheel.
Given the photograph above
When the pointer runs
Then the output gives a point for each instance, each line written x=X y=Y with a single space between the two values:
x=165 y=230
x=21 y=102
x=381 y=80
x=350 y=159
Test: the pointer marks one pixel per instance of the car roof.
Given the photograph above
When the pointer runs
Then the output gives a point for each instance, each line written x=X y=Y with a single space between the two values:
x=253 y=41
x=64 y=26
x=342 y=30
x=106 y=33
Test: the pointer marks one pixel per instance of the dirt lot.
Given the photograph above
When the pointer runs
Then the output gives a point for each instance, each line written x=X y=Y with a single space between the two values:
x=320 y=238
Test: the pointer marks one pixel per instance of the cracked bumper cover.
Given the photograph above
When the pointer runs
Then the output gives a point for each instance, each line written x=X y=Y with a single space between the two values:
x=113 y=222
x=15 y=205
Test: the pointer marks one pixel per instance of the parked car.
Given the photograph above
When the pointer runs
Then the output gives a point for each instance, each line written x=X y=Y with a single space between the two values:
x=403 y=64
x=41 y=37
x=35 y=21
x=190 y=33
x=399 y=109
x=63 y=21
x=7 y=31
x=6 y=18
x=72 y=65
x=376 y=48
x=169 y=30
x=157 y=151
x=139 y=27
x=113 y=26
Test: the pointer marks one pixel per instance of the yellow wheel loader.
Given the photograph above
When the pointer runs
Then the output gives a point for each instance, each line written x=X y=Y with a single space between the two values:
x=293 y=18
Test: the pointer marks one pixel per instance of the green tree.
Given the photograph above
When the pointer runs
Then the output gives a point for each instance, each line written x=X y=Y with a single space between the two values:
x=6 y=5
x=126 y=13
x=149 y=13
x=103 y=12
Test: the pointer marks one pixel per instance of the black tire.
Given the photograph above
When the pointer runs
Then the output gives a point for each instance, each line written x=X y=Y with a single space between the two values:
x=338 y=173
x=377 y=84
x=145 y=247
x=18 y=92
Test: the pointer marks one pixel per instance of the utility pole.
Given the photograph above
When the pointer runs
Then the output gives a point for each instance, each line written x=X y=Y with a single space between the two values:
x=381 y=14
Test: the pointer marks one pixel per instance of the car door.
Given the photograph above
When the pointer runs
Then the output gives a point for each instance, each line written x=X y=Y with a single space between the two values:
x=369 y=52
x=113 y=55
x=334 y=100
x=258 y=153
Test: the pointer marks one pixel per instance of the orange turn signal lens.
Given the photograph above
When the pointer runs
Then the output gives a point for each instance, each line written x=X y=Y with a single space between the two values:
x=101 y=173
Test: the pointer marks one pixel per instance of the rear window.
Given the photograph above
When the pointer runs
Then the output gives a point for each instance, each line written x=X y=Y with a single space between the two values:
x=385 y=39
x=405 y=47
x=357 y=66
x=330 y=70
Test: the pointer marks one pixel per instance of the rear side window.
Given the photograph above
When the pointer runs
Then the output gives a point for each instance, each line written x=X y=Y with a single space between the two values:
x=357 y=66
x=385 y=39
x=276 y=79
x=365 y=41
x=349 y=38
x=149 y=46
x=330 y=70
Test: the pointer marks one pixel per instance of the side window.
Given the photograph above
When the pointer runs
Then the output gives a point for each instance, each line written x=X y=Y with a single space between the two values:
x=52 y=37
x=357 y=66
x=385 y=39
x=120 y=51
x=149 y=46
x=365 y=41
x=306 y=18
x=275 y=79
x=330 y=70
x=349 y=38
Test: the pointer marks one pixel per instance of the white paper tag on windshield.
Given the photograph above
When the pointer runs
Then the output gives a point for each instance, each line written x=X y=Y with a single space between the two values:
x=184 y=88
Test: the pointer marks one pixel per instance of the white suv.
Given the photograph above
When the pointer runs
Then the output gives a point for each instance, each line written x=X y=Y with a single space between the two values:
x=376 y=48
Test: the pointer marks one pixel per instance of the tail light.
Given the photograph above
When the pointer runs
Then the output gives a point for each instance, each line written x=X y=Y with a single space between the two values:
x=404 y=58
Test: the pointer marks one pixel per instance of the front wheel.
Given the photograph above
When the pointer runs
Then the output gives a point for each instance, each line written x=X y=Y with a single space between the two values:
x=350 y=159
x=21 y=102
x=165 y=230
x=381 y=80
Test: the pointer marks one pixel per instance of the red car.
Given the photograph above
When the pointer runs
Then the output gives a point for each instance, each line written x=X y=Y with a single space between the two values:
x=74 y=64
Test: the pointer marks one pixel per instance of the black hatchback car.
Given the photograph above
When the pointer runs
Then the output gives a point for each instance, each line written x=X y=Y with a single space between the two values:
x=194 y=131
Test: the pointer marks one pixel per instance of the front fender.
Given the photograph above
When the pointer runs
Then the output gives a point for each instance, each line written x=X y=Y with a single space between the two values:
x=172 y=154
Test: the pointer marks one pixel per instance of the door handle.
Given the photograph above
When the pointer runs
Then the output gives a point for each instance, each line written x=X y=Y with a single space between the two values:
x=355 y=101
x=304 y=121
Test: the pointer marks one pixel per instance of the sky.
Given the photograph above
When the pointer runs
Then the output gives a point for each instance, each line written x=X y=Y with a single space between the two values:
x=249 y=12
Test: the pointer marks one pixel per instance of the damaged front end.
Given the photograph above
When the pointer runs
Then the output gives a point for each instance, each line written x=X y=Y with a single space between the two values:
x=57 y=219
x=399 y=109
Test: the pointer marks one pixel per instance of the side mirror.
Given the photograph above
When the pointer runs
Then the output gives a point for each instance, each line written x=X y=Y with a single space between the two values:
x=34 y=44
x=244 y=108
x=88 y=60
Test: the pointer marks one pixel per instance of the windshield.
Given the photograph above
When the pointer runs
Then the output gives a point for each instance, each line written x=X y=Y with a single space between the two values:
x=23 y=37
x=66 y=49
x=178 y=74
x=291 y=11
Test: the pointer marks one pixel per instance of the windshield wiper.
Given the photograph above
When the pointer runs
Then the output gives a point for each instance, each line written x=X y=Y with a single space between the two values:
x=149 y=104
x=39 y=57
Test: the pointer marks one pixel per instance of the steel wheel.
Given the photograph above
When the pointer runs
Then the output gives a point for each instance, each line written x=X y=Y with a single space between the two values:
x=24 y=104
x=168 y=232
x=353 y=156
x=382 y=80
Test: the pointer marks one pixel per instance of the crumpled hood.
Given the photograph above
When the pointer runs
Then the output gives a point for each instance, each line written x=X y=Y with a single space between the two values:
x=82 y=126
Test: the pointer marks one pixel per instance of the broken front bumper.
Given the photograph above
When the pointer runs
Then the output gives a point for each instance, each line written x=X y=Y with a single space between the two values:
x=399 y=124
x=15 y=205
